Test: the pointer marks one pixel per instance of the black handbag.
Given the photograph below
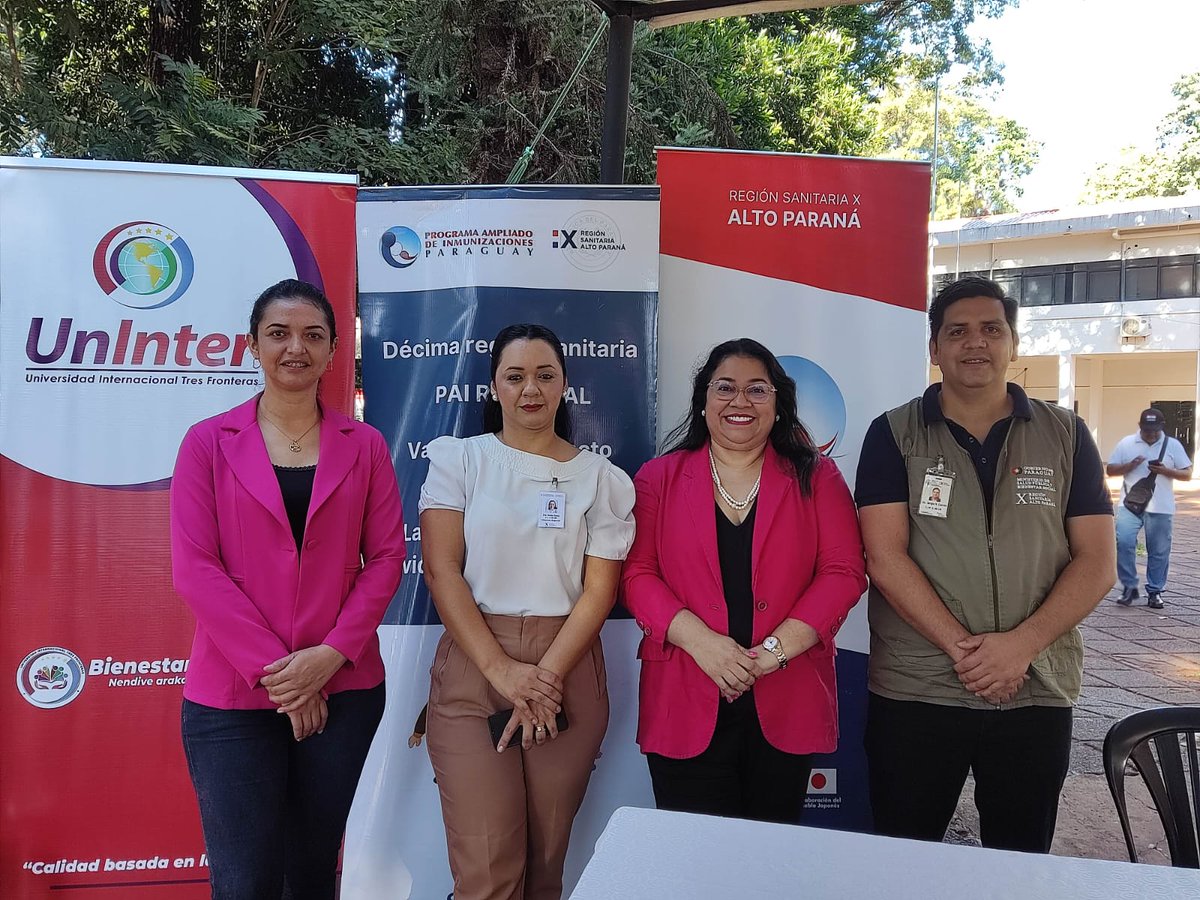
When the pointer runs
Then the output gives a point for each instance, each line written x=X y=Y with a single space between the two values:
x=1137 y=498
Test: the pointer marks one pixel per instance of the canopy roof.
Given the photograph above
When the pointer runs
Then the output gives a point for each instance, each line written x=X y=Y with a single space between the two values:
x=622 y=14
x=661 y=13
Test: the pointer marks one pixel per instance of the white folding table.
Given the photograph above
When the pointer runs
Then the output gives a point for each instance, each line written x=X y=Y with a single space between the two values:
x=647 y=854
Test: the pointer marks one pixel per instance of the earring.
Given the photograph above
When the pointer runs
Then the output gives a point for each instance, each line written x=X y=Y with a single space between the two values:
x=776 y=418
x=257 y=363
x=702 y=412
x=494 y=396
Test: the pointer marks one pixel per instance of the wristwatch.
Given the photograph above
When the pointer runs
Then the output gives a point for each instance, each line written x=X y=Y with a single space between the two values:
x=772 y=645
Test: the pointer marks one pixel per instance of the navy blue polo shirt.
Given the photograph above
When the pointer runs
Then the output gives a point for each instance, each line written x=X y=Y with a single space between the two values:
x=883 y=478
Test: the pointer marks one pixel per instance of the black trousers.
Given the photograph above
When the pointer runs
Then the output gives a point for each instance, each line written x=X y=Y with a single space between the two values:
x=739 y=776
x=919 y=754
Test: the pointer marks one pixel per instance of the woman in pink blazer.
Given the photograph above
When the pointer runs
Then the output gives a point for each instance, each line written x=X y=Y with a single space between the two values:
x=746 y=560
x=287 y=545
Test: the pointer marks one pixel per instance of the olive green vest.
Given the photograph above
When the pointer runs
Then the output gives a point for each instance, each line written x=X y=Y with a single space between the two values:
x=989 y=583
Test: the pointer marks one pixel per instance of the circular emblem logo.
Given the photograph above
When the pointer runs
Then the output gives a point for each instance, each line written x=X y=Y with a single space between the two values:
x=400 y=247
x=821 y=404
x=50 y=677
x=590 y=241
x=143 y=265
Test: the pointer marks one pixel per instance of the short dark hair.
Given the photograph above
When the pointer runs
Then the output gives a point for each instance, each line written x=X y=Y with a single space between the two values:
x=293 y=289
x=493 y=415
x=970 y=286
x=788 y=436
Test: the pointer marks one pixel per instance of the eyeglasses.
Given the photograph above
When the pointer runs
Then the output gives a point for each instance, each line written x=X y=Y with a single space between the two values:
x=727 y=390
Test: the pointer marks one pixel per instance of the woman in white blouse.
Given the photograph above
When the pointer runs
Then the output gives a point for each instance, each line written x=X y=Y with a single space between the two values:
x=523 y=536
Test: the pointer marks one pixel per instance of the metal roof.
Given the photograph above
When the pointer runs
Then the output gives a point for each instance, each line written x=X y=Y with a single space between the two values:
x=662 y=13
x=1142 y=213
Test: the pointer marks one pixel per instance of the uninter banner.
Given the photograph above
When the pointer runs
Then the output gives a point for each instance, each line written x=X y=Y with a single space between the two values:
x=125 y=292
x=823 y=260
x=441 y=271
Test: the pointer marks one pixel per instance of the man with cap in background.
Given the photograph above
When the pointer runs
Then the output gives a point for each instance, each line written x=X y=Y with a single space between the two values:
x=1135 y=457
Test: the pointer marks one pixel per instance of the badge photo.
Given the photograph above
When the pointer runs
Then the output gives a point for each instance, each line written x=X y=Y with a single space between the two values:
x=935 y=495
x=552 y=509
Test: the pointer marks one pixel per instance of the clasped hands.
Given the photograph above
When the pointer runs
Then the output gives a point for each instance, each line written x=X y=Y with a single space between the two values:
x=296 y=683
x=732 y=667
x=536 y=695
x=993 y=666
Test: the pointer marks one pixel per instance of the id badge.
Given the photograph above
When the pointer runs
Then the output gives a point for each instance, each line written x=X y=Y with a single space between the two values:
x=936 y=490
x=552 y=509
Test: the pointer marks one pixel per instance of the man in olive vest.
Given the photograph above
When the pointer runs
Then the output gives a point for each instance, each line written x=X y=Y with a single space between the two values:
x=989 y=537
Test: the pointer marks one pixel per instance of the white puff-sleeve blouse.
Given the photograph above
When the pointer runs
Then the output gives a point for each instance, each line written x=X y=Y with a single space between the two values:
x=513 y=567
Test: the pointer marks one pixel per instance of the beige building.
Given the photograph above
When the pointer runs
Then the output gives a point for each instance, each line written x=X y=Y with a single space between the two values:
x=1110 y=315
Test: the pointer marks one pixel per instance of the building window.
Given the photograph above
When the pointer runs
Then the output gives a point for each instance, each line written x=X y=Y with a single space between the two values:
x=1103 y=285
x=1141 y=280
x=1177 y=281
x=1078 y=287
x=1011 y=284
x=1038 y=290
x=1163 y=278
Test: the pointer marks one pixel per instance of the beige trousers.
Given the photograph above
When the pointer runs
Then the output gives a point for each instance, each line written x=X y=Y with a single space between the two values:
x=508 y=815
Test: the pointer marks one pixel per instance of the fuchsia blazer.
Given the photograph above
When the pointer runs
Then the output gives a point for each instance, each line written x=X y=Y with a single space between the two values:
x=235 y=562
x=807 y=563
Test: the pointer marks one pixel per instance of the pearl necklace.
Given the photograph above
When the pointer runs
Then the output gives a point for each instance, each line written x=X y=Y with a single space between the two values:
x=739 y=505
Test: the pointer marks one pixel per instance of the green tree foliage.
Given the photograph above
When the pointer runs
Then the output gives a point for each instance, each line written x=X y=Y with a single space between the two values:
x=1171 y=169
x=981 y=156
x=420 y=91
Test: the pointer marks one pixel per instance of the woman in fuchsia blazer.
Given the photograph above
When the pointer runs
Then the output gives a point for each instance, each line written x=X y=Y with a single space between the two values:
x=287 y=545
x=746 y=560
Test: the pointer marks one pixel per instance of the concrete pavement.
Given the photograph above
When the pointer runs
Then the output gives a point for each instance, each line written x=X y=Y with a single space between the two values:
x=1135 y=658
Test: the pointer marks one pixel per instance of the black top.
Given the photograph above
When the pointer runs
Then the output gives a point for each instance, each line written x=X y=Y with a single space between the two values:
x=883 y=478
x=296 y=485
x=735 y=544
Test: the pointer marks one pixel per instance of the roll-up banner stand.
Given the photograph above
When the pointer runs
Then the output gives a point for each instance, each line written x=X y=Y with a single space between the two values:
x=823 y=260
x=441 y=271
x=125 y=292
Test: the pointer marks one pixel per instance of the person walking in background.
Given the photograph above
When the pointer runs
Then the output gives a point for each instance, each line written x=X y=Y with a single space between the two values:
x=287 y=545
x=975 y=596
x=746 y=562
x=1149 y=456
x=522 y=535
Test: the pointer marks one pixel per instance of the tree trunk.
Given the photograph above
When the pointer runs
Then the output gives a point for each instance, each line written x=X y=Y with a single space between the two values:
x=174 y=33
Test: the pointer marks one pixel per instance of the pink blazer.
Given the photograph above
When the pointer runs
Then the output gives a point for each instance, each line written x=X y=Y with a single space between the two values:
x=235 y=563
x=806 y=563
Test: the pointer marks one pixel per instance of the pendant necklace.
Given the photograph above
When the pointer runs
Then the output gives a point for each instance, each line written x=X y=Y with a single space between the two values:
x=739 y=505
x=294 y=446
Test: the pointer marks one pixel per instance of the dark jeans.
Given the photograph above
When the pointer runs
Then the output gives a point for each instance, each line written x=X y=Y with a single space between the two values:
x=274 y=809
x=918 y=756
x=739 y=776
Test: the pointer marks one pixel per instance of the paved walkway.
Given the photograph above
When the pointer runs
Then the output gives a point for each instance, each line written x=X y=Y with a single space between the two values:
x=1135 y=658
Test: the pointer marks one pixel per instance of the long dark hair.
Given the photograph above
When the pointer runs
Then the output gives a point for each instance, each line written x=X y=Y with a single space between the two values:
x=789 y=437
x=493 y=416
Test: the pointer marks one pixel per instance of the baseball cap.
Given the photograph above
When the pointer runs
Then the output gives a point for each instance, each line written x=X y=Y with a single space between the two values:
x=1152 y=419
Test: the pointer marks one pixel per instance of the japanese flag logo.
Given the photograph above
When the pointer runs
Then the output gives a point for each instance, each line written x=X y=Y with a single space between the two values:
x=822 y=781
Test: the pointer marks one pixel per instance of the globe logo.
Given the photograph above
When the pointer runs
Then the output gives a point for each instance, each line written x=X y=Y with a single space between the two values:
x=143 y=265
x=148 y=266
x=400 y=247
x=819 y=400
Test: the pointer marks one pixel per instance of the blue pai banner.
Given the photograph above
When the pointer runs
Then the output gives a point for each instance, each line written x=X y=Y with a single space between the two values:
x=441 y=271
